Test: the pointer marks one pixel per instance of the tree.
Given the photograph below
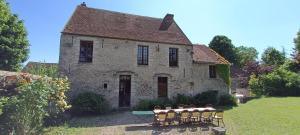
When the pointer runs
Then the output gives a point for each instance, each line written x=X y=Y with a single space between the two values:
x=223 y=46
x=14 y=46
x=297 y=46
x=245 y=54
x=271 y=56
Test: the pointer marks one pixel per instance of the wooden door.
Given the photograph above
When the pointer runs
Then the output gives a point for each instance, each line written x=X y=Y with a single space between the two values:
x=124 y=90
x=162 y=86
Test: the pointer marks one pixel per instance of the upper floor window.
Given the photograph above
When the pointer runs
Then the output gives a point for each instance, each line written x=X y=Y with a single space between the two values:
x=212 y=71
x=86 y=51
x=173 y=57
x=142 y=56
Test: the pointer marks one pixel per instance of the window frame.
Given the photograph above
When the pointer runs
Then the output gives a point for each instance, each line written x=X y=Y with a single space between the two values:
x=173 y=57
x=212 y=71
x=143 y=55
x=86 y=55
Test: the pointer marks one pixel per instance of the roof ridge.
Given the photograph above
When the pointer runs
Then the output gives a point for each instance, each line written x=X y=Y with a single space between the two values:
x=119 y=12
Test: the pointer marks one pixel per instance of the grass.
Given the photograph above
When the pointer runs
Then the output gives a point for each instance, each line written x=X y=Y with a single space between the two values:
x=265 y=116
x=274 y=116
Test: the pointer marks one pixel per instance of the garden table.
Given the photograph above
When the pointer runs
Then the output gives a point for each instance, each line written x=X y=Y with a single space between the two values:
x=201 y=109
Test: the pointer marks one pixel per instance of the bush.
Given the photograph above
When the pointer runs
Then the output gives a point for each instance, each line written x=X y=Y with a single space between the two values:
x=183 y=99
x=281 y=82
x=89 y=103
x=207 y=97
x=149 y=104
x=227 y=100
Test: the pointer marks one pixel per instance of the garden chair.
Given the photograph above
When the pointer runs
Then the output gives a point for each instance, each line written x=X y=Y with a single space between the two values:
x=218 y=116
x=168 y=107
x=186 y=106
x=171 y=117
x=195 y=116
x=184 y=117
x=180 y=106
x=192 y=106
x=157 y=107
x=206 y=116
x=161 y=118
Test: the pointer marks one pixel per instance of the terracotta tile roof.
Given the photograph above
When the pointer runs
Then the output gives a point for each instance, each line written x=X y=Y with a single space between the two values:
x=103 y=23
x=203 y=54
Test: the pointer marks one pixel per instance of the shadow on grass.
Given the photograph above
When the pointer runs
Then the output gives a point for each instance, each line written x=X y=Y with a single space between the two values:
x=156 y=130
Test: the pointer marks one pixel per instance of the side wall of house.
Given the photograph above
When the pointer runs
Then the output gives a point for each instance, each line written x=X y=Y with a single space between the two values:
x=114 y=57
x=202 y=81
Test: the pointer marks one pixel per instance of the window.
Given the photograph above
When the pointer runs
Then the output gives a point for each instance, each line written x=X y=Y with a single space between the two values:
x=173 y=57
x=212 y=71
x=86 y=51
x=142 y=57
x=105 y=85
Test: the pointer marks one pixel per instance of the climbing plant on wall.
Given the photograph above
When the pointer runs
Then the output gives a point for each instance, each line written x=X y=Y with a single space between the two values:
x=223 y=71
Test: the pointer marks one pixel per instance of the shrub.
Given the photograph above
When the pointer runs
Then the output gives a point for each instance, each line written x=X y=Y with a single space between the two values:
x=149 y=104
x=183 y=99
x=207 y=97
x=227 y=100
x=281 y=82
x=89 y=103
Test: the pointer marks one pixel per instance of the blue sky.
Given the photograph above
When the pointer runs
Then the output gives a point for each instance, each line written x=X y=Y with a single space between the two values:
x=253 y=23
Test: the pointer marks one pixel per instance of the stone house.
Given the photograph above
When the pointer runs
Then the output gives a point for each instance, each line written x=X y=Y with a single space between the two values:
x=130 y=57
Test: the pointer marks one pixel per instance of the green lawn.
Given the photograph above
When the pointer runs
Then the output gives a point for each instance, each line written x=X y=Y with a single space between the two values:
x=265 y=116
x=269 y=116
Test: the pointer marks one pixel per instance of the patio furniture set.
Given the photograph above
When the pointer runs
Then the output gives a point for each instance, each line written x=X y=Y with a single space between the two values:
x=187 y=115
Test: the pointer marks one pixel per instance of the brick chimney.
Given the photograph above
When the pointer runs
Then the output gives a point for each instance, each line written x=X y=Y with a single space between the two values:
x=167 y=21
x=83 y=4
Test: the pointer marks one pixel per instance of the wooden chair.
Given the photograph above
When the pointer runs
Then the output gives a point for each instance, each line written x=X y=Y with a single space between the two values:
x=192 y=106
x=180 y=106
x=161 y=118
x=171 y=117
x=157 y=107
x=206 y=116
x=168 y=107
x=184 y=117
x=195 y=116
x=218 y=116
x=186 y=106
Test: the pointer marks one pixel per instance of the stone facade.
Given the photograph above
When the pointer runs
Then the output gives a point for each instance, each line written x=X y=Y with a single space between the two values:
x=115 y=57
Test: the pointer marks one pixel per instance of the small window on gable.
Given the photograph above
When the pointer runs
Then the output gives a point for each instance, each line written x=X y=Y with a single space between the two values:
x=212 y=71
x=173 y=57
x=86 y=51
x=105 y=85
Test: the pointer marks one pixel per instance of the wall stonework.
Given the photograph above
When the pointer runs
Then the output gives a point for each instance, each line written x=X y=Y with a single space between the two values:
x=115 y=57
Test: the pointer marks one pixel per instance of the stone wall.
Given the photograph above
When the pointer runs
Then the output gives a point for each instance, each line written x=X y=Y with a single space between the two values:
x=114 y=57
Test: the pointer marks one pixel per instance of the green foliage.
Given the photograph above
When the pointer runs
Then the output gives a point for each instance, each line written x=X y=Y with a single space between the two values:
x=44 y=70
x=245 y=54
x=28 y=109
x=89 y=103
x=297 y=41
x=183 y=99
x=223 y=46
x=14 y=46
x=223 y=71
x=201 y=99
x=227 y=100
x=207 y=97
x=3 y=101
x=281 y=82
x=271 y=56
x=149 y=104
x=24 y=113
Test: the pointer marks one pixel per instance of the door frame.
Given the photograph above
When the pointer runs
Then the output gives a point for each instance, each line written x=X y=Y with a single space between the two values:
x=125 y=97
x=166 y=86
